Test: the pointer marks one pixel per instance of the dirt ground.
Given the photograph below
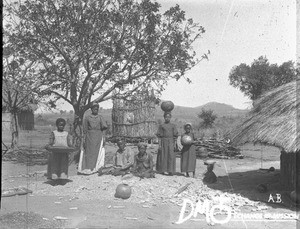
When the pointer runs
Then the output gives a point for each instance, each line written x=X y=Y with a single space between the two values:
x=89 y=202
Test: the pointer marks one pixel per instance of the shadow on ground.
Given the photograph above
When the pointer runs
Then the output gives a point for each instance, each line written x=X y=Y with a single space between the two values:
x=58 y=182
x=245 y=184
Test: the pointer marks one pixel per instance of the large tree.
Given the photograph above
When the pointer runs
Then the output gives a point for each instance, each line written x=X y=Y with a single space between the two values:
x=20 y=87
x=95 y=50
x=261 y=76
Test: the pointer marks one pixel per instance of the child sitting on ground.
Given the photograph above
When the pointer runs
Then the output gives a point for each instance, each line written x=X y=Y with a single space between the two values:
x=122 y=161
x=210 y=177
x=143 y=163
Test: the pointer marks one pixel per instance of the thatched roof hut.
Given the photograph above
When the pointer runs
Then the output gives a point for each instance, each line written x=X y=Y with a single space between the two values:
x=273 y=120
x=25 y=117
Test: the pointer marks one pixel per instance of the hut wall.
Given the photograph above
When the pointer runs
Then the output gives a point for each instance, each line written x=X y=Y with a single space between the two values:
x=26 y=120
x=133 y=119
x=6 y=132
x=290 y=170
x=6 y=121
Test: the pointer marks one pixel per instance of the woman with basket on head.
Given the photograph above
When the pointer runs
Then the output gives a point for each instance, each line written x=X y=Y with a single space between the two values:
x=93 y=154
x=188 y=152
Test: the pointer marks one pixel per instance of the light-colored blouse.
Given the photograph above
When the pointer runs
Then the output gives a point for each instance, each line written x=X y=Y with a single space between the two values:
x=93 y=122
x=58 y=138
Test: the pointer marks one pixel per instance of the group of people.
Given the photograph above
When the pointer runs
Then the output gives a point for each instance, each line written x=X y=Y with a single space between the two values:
x=125 y=161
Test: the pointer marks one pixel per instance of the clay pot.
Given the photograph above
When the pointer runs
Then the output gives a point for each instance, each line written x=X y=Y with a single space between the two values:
x=186 y=140
x=123 y=191
x=295 y=197
x=167 y=106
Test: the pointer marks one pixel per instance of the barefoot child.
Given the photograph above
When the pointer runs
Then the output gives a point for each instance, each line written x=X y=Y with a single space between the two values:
x=188 y=153
x=122 y=161
x=143 y=163
x=210 y=177
x=58 y=163
x=166 y=157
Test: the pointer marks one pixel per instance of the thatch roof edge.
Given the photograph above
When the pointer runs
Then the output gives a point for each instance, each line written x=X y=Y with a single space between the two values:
x=273 y=119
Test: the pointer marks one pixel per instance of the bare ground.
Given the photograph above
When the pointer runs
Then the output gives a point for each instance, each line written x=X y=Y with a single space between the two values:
x=88 y=201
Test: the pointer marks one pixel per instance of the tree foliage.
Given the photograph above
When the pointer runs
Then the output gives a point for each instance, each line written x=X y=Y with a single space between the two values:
x=20 y=87
x=261 y=76
x=208 y=118
x=91 y=51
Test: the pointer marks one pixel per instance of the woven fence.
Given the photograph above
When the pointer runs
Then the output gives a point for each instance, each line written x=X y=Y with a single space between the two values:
x=133 y=119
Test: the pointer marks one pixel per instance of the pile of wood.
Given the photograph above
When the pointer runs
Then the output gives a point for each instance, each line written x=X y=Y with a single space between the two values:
x=217 y=149
x=27 y=156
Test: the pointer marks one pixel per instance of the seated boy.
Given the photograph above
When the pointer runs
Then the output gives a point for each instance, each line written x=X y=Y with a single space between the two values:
x=143 y=163
x=122 y=161
x=210 y=177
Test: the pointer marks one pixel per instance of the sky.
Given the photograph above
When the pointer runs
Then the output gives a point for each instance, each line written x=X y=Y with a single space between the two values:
x=237 y=31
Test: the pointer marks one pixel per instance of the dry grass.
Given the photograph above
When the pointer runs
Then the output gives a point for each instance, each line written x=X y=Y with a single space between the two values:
x=273 y=120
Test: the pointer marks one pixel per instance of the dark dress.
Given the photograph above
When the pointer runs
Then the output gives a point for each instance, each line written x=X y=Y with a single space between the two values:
x=166 y=157
x=58 y=163
x=188 y=157
x=93 y=128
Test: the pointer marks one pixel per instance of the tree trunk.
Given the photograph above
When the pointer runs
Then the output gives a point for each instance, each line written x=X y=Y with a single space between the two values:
x=14 y=127
x=77 y=133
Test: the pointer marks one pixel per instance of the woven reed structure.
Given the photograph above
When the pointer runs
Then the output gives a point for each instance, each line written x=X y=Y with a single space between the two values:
x=133 y=119
x=274 y=120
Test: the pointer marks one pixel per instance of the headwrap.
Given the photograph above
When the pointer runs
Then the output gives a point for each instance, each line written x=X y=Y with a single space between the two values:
x=142 y=145
x=60 y=120
x=167 y=112
x=188 y=124
x=120 y=141
x=95 y=105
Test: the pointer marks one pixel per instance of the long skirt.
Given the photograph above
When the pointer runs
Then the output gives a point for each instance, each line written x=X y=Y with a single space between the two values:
x=188 y=159
x=58 y=164
x=92 y=157
x=166 y=157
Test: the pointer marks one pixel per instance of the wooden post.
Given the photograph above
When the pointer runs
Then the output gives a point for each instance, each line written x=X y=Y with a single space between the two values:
x=289 y=171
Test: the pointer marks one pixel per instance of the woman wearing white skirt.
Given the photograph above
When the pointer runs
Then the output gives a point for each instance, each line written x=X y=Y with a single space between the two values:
x=92 y=153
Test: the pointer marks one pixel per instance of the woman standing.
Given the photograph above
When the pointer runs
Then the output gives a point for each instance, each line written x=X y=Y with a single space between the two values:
x=93 y=153
x=166 y=157
x=188 y=153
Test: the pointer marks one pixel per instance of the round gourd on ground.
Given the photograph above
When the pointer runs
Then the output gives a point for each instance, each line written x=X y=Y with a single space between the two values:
x=123 y=191
x=295 y=196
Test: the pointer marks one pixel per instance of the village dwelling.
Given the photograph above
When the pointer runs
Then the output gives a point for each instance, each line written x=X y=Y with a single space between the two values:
x=25 y=120
x=133 y=119
x=273 y=121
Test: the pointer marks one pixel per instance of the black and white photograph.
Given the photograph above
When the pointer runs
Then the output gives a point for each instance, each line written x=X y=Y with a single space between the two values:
x=150 y=114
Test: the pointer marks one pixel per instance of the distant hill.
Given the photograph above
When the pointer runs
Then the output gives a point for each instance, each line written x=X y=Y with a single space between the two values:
x=180 y=113
x=222 y=109
x=190 y=113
